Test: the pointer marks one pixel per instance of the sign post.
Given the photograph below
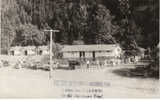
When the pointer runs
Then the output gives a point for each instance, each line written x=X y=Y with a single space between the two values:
x=51 y=50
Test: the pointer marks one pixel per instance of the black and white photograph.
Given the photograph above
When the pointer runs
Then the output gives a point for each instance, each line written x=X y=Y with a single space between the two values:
x=86 y=49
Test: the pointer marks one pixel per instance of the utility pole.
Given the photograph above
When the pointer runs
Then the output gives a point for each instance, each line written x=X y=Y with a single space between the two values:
x=51 y=47
x=0 y=40
x=0 y=28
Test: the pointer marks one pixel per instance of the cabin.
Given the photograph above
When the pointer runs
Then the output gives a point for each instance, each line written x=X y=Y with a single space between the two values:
x=20 y=51
x=43 y=50
x=138 y=55
x=29 y=50
x=91 y=52
x=16 y=51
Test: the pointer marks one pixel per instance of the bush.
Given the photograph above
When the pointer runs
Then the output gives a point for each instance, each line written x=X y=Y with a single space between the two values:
x=152 y=70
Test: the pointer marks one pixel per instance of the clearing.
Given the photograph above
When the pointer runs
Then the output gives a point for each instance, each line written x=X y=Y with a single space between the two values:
x=36 y=83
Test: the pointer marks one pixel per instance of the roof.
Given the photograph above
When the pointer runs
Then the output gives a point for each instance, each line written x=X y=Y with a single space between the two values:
x=43 y=47
x=70 y=48
x=22 y=48
x=16 y=48
x=29 y=47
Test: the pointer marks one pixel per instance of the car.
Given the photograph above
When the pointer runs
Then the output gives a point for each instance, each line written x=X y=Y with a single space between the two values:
x=46 y=67
x=73 y=63
x=5 y=63
x=64 y=64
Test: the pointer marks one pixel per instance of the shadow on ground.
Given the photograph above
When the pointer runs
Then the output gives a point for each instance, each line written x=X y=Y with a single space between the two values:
x=63 y=68
x=139 y=72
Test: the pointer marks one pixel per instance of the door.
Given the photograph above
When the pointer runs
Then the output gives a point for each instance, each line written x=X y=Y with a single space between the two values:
x=80 y=54
x=26 y=53
x=40 y=52
x=83 y=54
x=93 y=55
x=12 y=53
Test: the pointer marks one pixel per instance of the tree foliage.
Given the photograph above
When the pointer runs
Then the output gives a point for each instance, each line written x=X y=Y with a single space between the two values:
x=29 y=35
x=90 y=21
x=131 y=23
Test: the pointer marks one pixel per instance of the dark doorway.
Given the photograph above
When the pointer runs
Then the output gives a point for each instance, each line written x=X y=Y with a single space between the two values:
x=12 y=53
x=83 y=54
x=80 y=54
x=94 y=55
x=26 y=53
x=40 y=52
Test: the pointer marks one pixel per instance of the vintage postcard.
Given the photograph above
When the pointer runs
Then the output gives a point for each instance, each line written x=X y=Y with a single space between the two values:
x=79 y=49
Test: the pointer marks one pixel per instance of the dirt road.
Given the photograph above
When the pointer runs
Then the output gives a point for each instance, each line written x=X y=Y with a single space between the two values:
x=36 y=83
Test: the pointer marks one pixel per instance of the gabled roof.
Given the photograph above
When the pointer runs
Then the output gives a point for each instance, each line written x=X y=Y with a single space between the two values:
x=18 y=48
x=102 y=47
x=43 y=48
x=29 y=47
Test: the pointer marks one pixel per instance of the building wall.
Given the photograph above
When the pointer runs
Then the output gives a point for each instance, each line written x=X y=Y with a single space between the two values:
x=17 y=53
x=115 y=53
x=99 y=54
x=31 y=52
x=77 y=55
x=104 y=54
x=22 y=52
x=45 y=52
x=88 y=54
x=70 y=55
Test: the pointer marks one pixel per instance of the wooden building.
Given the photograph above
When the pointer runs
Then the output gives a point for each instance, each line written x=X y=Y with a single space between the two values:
x=16 y=51
x=29 y=50
x=110 y=51
x=43 y=50
x=20 y=51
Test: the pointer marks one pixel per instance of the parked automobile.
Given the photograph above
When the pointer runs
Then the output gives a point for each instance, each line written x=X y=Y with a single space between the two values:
x=63 y=64
x=46 y=66
x=73 y=63
x=5 y=63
